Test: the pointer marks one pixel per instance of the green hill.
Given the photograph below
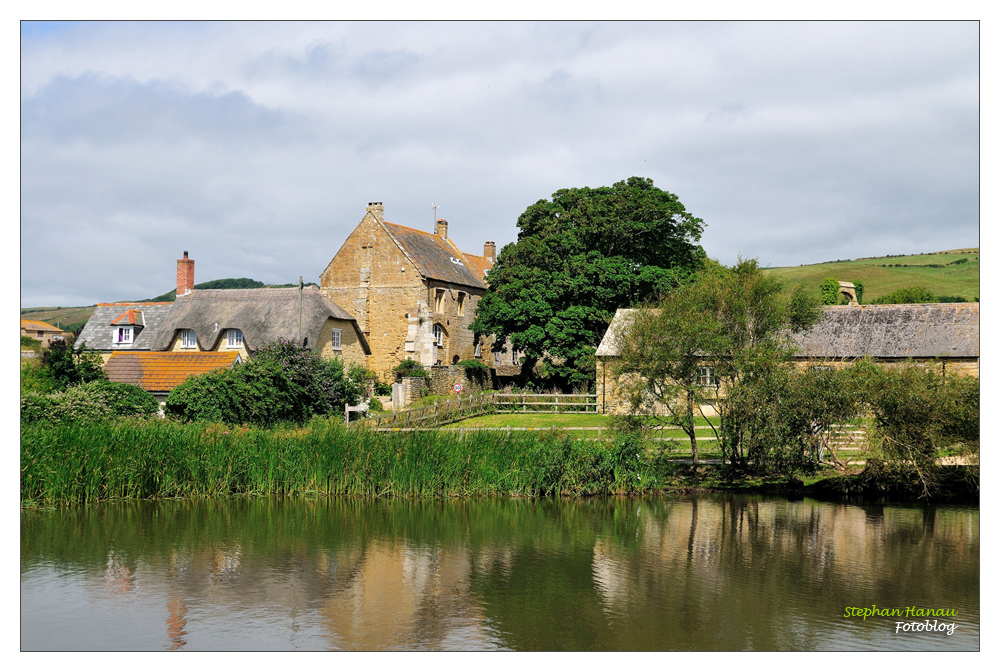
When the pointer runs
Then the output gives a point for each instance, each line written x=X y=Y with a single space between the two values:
x=943 y=273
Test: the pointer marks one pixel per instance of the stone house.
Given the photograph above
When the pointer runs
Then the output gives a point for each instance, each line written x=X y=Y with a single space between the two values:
x=43 y=331
x=413 y=293
x=940 y=336
x=205 y=329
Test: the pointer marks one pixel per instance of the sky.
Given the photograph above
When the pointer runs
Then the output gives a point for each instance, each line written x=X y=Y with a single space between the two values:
x=256 y=146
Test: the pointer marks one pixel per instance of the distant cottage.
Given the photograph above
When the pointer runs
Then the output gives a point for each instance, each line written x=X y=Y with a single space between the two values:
x=42 y=331
x=939 y=336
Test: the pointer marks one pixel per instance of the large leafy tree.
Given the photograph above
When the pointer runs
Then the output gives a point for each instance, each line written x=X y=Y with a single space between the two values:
x=578 y=258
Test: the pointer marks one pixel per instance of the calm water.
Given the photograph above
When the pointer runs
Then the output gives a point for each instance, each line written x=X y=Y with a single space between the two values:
x=702 y=573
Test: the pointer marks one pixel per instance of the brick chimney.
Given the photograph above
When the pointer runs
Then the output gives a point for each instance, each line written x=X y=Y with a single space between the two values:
x=375 y=207
x=185 y=275
x=441 y=228
x=490 y=250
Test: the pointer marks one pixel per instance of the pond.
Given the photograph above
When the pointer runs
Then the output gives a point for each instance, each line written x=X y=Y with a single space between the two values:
x=699 y=573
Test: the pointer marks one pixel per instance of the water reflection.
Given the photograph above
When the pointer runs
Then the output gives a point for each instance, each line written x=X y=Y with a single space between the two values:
x=704 y=573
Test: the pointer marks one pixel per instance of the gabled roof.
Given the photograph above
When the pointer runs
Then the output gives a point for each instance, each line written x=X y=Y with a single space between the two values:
x=97 y=332
x=163 y=371
x=439 y=258
x=263 y=315
x=923 y=330
x=893 y=331
x=38 y=325
x=130 y=316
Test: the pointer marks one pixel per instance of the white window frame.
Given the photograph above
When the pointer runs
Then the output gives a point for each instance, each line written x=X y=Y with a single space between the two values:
x=707 y=377
x=122 y=335
x=335 y=339
x=188 y=339
x=439 y=335
x=234 y=338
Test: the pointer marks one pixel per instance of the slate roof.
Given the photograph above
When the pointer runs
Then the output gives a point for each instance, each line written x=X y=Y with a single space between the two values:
x=163 y=371
x=263 y=315
x=97 y=332
x=439 y=258
x=923 y=330
x=894 y=331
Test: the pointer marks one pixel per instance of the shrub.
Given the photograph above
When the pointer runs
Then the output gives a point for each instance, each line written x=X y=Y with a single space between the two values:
x=29 y=343
x=829 y=289
x=409 y=368
x=282 y=383
x=915 y=294
x=92 y=401
x=122 y=399
x=67 y=365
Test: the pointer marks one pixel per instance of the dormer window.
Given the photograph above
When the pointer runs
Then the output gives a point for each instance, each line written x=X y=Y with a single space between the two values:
x=122 y=335
x=234 y=338
x=188 y=339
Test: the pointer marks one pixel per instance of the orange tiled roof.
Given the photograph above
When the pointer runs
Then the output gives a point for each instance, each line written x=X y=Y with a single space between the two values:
x=128 y=317
x=38 y=325
x=137 y=303
x=163 y=371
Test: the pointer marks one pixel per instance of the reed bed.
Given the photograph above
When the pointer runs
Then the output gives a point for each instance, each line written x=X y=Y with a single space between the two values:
x=129 y=459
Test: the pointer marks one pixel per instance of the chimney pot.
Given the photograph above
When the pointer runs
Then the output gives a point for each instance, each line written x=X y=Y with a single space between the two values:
x=441 y=228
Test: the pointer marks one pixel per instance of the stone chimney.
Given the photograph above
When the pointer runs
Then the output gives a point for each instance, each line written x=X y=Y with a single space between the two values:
x=490 y=250
x=375 y=207
x=185 y=275
x=441 y=228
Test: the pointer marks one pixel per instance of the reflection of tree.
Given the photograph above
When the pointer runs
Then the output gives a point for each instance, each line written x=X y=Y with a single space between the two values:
x=664 y=574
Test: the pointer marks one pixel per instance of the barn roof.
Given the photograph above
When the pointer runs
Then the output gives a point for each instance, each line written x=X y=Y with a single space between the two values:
x=901 y=331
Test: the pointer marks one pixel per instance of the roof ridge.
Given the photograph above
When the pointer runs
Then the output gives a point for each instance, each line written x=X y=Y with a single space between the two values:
x=137 y=303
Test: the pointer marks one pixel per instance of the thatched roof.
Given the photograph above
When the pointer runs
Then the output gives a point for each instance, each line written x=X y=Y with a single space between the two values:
x=438 y=257
x=924 y=330
x=263 y=315
x=148 y=317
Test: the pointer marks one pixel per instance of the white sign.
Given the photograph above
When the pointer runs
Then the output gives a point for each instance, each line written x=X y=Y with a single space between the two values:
x=457 y=387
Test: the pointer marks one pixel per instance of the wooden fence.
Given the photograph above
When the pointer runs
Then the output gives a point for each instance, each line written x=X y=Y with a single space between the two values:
x=545 y=403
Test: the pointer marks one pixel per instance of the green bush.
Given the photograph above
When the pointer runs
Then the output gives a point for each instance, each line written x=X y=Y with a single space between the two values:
x=122 y=399
x=92 y=401
x=829 y=289
x=282 y=383
x=409 y=368
x=29 y=343
x=915 y=294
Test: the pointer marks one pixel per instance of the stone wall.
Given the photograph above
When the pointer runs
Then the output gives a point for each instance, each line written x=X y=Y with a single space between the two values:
x=443 y=378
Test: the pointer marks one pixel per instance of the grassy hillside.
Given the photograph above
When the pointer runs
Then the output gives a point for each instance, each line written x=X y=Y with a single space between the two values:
x=937 y=271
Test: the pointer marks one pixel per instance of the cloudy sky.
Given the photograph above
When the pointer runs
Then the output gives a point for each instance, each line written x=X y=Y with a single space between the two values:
x=256 y=146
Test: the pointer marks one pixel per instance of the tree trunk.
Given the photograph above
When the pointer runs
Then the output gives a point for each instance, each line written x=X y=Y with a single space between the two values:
x=694 y=440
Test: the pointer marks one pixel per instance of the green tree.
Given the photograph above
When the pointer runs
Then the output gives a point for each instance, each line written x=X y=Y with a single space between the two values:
x=829 y=289
x=66 y=365
x=720 y=343
x=914 y=294
x=578 y=258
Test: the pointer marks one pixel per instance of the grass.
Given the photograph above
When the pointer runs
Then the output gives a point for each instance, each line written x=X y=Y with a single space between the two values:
x=880 y=277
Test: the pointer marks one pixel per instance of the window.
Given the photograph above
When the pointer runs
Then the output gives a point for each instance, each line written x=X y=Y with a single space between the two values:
x=121 y=335
x=234 y=338
x=188 y=339
x=479 y=349
x=707 y=377
x=439 y=335
x=461 y=303
x=439 y=301
x=335 y=339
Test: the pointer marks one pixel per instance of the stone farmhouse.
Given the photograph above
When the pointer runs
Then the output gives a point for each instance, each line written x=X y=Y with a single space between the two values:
x=943 y=337
x=43 y=331
x=413 y=293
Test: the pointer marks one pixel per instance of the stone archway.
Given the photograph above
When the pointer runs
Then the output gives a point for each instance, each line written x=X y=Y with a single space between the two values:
x=848 y=290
